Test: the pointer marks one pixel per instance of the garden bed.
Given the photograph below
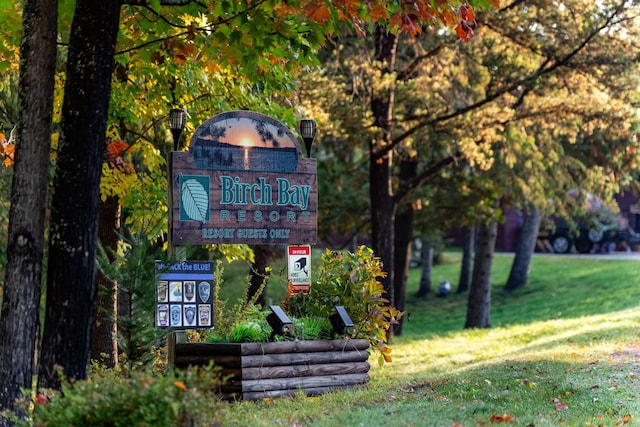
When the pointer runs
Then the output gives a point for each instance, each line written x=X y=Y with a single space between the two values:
x=274 y=369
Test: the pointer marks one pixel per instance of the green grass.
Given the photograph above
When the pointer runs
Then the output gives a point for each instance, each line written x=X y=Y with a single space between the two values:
x=563 y=351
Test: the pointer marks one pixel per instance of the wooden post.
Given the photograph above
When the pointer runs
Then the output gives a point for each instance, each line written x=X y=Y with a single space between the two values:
x=173 y=337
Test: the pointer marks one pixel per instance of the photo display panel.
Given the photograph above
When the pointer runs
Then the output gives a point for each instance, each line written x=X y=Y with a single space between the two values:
x=184 y=295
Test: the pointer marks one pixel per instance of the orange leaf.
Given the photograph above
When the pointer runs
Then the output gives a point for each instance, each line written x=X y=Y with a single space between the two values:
x=504 y=418
x=116 y=149
x=625 y=419
x=317 y=12
x=378 y=12
x=410 y=24
x=466 y=13
x=8 y=155
x=180 y=385
x=464 y=32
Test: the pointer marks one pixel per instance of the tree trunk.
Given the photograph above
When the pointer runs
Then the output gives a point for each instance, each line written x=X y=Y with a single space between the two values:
x=467 y=255
x=427 y=267
x=403 y=237
x=479 y=308
x=383 y=206
x=104 y=343
x=402 y=255
x=258 y=272
x=524 y=250
x=23 y=277
x=71 y=284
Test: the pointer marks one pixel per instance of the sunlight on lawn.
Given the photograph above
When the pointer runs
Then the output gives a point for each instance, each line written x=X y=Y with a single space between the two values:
x=569 y=340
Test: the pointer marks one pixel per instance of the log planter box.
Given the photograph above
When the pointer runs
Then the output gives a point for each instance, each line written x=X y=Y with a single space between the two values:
x=274 y=369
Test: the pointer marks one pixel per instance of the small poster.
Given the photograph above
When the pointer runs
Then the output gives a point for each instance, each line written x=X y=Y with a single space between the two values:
x=175 y=291
x=163 y=315
x=204 y=291
x=163 y=291
x=189 y=291
x=204 y=315
x=189 y=315
x=184 y=295
x=176 y=314
x=299 y=268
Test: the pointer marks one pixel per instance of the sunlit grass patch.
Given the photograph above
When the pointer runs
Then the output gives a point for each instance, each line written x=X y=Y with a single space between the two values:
x=563 y=351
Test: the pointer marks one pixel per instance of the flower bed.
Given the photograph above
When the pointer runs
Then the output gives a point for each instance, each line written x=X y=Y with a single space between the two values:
x=274 y=369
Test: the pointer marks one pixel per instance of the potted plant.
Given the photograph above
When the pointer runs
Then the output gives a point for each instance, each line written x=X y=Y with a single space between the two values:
x=296 y=346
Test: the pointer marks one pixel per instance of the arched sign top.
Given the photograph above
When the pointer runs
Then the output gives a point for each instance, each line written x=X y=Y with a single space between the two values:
x=245 y=140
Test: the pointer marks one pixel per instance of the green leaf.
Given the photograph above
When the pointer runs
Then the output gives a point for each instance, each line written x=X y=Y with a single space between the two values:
x=195 y=200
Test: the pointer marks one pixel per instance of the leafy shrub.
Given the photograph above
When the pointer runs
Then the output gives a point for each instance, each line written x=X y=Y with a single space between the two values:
x=141 y=398
x=351 y=280
x=344 y=278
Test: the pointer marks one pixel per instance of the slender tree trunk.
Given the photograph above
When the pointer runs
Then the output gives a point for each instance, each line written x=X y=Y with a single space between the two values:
x=258 y=272
x=467 y=255
x=524 y=250
x=71 y=284
x=402 y=256
x=383 y=206
x=403 y=232
x=104 y=343
x=427 y=268
x=23 y=277
x=479 y=308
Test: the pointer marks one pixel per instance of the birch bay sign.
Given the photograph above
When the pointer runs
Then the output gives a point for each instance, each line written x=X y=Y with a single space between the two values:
x=243 y=180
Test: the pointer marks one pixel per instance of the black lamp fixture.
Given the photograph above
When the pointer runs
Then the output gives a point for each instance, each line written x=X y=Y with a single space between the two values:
x=177 y=120
x=308 y=133
x=341 y=322
x=279 y=322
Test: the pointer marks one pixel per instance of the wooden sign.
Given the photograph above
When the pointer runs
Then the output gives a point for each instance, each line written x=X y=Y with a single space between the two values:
x=243 y=181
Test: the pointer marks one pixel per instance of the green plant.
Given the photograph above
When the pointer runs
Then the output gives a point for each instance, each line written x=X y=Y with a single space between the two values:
x=350 y=279
x=243 y=322
x=344 y=278
x=138 y=398
x=312 y=327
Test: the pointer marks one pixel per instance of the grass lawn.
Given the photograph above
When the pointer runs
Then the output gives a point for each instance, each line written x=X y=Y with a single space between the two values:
x=564 y=350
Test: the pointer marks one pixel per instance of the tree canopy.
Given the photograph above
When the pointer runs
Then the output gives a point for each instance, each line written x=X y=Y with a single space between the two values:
x=203 y=56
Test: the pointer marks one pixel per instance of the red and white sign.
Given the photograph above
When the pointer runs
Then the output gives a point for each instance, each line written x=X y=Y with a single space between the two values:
x=299 y=268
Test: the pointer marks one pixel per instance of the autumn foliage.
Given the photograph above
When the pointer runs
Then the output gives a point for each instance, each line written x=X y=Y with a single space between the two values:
x=6 y=151
x=408 y=18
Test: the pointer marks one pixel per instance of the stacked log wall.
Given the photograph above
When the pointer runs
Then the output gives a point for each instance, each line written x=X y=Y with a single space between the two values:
x=259 y=370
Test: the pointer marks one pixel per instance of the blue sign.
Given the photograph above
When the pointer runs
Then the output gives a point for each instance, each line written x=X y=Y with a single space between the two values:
x=184 y=295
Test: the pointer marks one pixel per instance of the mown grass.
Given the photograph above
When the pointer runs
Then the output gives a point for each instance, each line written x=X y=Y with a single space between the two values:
x=562 y=351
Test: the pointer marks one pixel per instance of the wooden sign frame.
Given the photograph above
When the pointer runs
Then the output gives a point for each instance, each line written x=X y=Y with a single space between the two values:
x=243 y=180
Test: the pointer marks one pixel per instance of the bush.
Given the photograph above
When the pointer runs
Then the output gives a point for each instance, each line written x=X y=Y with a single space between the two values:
x=351 y=280
x=344 y=278
x=111 y=398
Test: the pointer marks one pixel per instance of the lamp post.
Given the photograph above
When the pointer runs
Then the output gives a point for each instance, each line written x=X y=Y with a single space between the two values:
x=308 y=133
x=177 y=120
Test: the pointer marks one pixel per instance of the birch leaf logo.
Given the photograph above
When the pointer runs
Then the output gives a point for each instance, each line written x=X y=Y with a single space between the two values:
x=195 y=200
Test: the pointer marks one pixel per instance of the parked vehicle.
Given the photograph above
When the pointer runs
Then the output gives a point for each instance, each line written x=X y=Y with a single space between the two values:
x=590 y=236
